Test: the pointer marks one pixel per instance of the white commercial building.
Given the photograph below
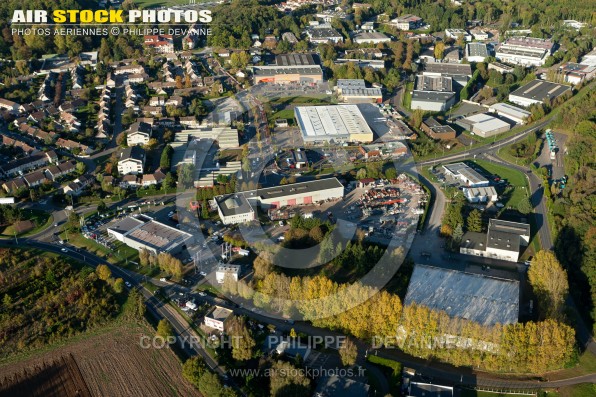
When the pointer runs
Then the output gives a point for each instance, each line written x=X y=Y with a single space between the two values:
x=480 y=194
x=227 y=271
x=476 y=52
x=484 y=125
x=525 y=51
x=234 y=208
x=241 y=207
x=334 y=123
x=537 y=91
x=356 y=91
x=456 y=33
x=510 y=112
x=217 y=318
x=371 y=38
x=143 y=232
x=503 y=241
x=466 y=174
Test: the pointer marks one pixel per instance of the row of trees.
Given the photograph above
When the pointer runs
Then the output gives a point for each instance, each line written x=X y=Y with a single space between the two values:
x=163 y=260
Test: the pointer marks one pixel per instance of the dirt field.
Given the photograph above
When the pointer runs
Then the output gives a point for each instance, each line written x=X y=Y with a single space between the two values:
x=112 y=364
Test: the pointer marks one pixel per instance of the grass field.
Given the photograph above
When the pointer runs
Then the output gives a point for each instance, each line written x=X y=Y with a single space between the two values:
x=515 y=178
x=407 y=99
x=41 y=219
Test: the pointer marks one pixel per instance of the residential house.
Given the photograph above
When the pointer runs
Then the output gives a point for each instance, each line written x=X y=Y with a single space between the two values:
x=131 y=161
x=139 y=133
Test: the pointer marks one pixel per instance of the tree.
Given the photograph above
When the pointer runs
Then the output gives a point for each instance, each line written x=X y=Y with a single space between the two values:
x=205 y=210
x=164 y=329
x=361 y=174
x=144 y=256
x=390 y=173
x=80 y=168
x=102 y=207
x=103 y=272
x=165 y=160
x=549 y=282
x=287 y=381
x=118 y=285
x=193 y=369
x=474 y=222
x=186 y=175
x=263 y=265
x=439 y=49
x=348 y=352
x=210 y=385
x=524 y=206
x=242 y=341
x=458 y=234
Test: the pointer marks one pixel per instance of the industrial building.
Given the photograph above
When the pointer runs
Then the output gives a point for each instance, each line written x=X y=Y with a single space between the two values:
x=575 y=73
x=475 y=297
x=433 y=93
x=407 y=22
x=480 y=194
x=484 y=125
x=143 y=232
x=525 y=51
x=460 y=73
x=503 y=241
x=476 y=52
x=538 y=91
x=370 y=37
x=334 y=123
x=510 y=113
x=323 y=34
x=356 y=91
x=466 y=174
x=290 y=68
x=241 y=207
x=226 y=137
x=436 y=130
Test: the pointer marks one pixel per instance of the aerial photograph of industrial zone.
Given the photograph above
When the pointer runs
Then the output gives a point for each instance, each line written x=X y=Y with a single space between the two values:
x=278 y=198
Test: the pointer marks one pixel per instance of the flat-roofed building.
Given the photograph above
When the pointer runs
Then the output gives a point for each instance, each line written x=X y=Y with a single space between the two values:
x=526 y=51
x=290 y=68
x=407 y=22
x=500 y=67
x=333 y=123
x=433 y=92
x=457 y=33
x=436 y=130
x=370 y=38
x=226 y=137
x=356 y=91
x=480 y=194
x=418 y=389
x=228 y=271
x=510 y=112
x=324 y=34
x=484 y=125
x=538 y=91
x=475 y=297
x=217 y=318
x=243 y=206
x=503 y=241
x=234 y=208
x=476 y=52
x=144 y=232
x=466 y=174
x=575 y=73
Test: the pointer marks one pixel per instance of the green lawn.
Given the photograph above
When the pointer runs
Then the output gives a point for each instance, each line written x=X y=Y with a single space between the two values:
x=516 y=178
x=581 y=390
x=41 y=219
x=407 y=99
